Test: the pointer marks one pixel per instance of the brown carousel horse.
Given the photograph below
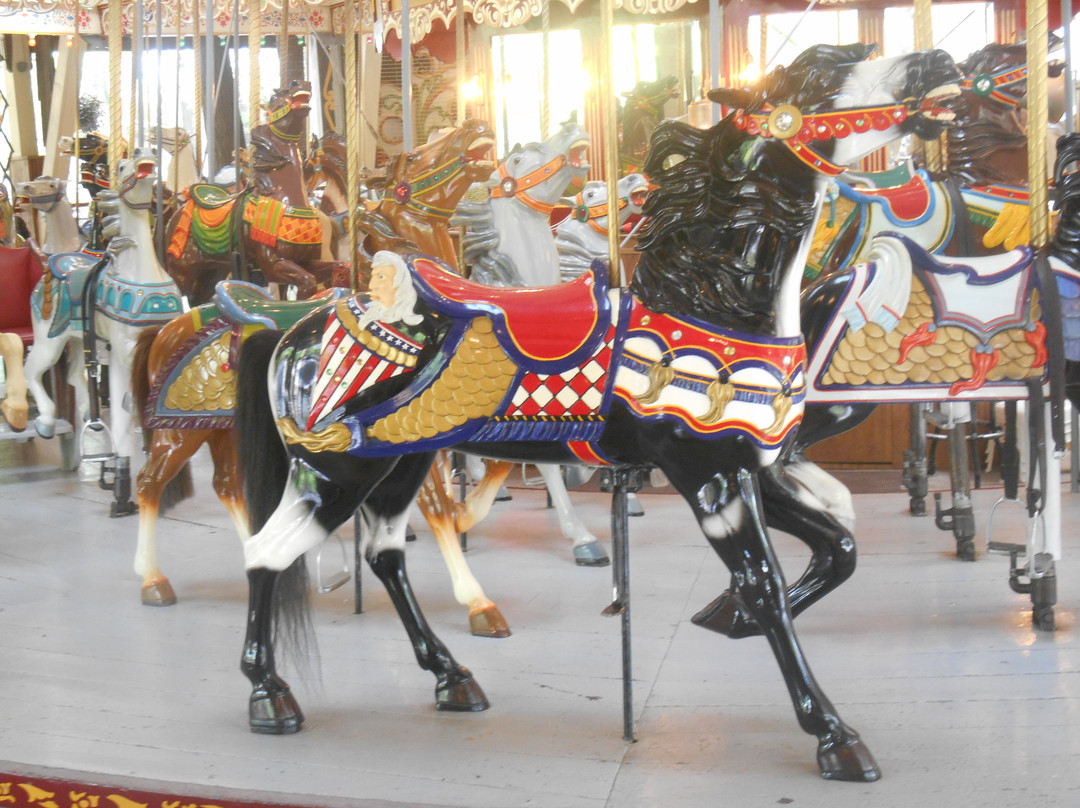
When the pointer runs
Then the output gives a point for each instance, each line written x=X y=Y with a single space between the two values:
x=269 y=223
x=185 y=388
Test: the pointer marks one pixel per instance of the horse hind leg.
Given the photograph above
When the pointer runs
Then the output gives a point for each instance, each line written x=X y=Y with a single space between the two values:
x=455 y=687
x=729 y=513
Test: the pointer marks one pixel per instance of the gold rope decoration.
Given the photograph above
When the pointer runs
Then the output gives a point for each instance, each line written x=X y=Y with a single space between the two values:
x=1037 y=101
x=352 y=140
x=254 y=15
x=115 y=16
x=924 y=40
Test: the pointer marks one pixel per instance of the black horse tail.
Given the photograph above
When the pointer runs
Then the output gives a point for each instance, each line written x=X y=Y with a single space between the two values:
x=1066 y=243
x=264 y=465
x=180 y=487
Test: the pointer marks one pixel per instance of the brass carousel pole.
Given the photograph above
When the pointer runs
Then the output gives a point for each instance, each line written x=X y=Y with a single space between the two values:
x=254 y=15
x=115 y=15
x=609 y=117
x=352 y=139
x=924 y=40
x=1037 y=105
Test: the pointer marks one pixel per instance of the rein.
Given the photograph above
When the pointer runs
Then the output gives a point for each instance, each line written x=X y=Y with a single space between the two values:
x=519 y=186
x=126 y=186
x=53 y=199
x=798 y=131
x=989 y=85
x=408 y=193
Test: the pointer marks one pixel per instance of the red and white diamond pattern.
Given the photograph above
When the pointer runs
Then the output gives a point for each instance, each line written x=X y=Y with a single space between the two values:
x=578 y=391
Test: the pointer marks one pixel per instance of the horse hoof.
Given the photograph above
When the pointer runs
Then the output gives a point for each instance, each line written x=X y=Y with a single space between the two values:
x=503 y=495
x=633 y=506
x=849 y=760
x=724 y=616
x=159 y=594
x=274 y=713
x=44 y=430
x=461 y=695
x=590 y=555
x=488 y=622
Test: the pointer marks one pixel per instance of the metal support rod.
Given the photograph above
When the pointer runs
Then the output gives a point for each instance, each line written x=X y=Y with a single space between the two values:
x=1070 y=89
x=715 y=48
x=406 y=78
x=209 y=96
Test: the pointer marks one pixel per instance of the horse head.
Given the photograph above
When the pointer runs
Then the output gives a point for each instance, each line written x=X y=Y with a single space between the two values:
x=831 y=107
x=433 y=177
x=755 y=177
x=136 y=177
x=591 y=204
x=42 y=194
x=642 y=110
x=541 y=172
x=288 y=108
x=173 y=138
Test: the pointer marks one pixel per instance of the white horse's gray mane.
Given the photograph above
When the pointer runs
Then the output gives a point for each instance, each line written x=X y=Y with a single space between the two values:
x=108 y=204
x=480 y=239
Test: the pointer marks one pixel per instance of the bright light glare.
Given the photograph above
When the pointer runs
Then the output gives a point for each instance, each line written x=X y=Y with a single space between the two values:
x=470 y=90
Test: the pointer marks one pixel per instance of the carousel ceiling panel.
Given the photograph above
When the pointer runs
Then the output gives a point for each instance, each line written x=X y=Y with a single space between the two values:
x=60 y=16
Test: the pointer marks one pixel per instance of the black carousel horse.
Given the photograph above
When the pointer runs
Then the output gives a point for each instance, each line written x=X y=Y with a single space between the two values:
x=701 y=364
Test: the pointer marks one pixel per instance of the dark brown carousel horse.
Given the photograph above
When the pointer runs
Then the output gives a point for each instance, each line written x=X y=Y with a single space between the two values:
x=269 y=223
x=639 y=113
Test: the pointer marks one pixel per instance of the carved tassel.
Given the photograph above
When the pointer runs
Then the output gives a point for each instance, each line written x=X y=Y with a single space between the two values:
x=1036 y=338
x=923 y=335
x=981 y=363
x=660 y=376
x=781 y=405
x=720 y=393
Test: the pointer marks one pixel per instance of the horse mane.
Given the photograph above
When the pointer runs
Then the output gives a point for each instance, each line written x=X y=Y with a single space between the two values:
x=723 y=217
x=1066 y=241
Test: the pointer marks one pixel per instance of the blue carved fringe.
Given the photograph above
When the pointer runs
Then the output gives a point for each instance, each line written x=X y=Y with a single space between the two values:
x=555 y=429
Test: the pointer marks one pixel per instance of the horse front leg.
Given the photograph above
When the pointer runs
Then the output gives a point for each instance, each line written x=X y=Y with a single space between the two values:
x=43 y=354
x=729 y=511
x=170 y=450
x=15 y=407
x=438 y=508
x=587 y=550
x=792 y=509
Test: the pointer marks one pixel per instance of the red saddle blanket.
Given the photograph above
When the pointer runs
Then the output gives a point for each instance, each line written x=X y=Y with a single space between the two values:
x=545 y=323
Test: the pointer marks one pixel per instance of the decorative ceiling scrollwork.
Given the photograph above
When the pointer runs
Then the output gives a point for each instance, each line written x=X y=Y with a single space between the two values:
x=498 y=13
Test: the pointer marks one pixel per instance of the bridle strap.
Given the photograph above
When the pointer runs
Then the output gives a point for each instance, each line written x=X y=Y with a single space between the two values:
x=408 y=193
x=799 y=131
x=989 y=85
x=519 y=186
x=590 y=213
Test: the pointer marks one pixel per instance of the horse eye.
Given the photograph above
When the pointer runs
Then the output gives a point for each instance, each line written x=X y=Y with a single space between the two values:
x=672 y=160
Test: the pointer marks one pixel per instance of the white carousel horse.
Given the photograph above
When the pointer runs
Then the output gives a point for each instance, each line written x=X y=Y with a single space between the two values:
x=48 y=196
x=130 y=291
x=508 y=242
x=582 y=237
x=183 y=171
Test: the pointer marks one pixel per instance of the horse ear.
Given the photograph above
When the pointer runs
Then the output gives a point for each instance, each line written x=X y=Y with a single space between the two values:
x=858 y=51
x=729 y=97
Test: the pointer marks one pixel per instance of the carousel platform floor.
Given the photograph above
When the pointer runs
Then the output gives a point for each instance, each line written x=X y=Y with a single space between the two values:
x=932 y=659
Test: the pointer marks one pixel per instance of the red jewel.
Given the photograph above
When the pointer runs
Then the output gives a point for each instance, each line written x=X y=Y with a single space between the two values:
x=402 y=193
x=753 y=127
x=225 y=367
x=881 y=122
x=806 y=134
